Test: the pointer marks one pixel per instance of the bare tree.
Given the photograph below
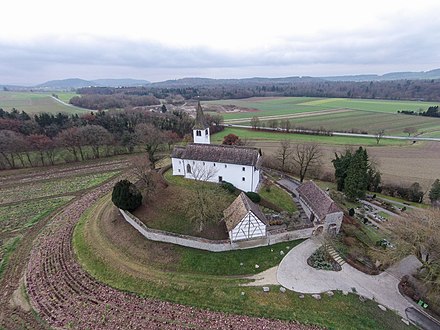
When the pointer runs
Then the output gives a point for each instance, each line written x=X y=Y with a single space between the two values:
x=378 y=135
x=283 y=153
x=255 y=122
x=202 y=172
x=305 y=157
x=417 y=233
x=273 y=123
x=95 y=136
x=147 y=178
x=410 y=130
x=153 y=139
x=285 y=125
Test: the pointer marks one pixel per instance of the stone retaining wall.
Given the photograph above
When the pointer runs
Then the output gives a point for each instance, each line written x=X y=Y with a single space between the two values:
x=210 y=245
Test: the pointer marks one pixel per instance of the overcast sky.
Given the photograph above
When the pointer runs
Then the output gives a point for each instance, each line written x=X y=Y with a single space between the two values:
x=161 y=39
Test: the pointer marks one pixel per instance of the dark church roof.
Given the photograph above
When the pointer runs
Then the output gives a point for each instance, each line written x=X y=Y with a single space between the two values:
x=200 y=118
x=238 y=210
x=320 y=202
x=218 y=153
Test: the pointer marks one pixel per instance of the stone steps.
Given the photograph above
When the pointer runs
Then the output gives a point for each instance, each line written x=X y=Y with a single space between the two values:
x=335 y=255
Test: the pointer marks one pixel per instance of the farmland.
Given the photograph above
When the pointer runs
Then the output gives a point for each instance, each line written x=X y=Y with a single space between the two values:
x=400 y=162
x=335 y=114
x=37 y=102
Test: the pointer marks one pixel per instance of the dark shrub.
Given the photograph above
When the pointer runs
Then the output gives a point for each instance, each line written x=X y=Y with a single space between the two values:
x=228 y=186
x=126 y=196
x=351 y=212
x=256 y=198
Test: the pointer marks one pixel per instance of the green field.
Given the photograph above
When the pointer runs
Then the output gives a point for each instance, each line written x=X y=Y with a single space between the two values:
x=253 y=135
x=37 y=102
x=336 y=114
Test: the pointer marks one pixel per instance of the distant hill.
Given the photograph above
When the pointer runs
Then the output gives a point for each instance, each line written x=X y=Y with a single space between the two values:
x=73 y=83
x=66 y=83
x=120 y=82
x=432 y=74
x=247 y=81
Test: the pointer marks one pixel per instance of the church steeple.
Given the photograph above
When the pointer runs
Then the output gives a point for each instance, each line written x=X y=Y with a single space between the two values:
x=201 y=128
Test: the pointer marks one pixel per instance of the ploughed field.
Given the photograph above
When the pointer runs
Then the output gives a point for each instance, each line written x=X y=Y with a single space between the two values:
x=28 y=198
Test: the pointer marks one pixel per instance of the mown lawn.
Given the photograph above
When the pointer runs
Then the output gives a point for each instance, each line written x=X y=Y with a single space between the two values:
x=279 y=197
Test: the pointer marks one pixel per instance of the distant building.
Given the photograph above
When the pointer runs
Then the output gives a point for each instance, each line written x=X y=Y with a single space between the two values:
x=322 y=211
x=244 y=219
x=216 y=163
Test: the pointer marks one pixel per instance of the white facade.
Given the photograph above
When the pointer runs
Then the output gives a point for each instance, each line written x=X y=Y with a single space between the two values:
x=248 y=228
x=244 y=177
x=201 y=136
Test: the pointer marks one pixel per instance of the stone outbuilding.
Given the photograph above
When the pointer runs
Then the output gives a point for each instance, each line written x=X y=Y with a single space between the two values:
x=244 y=219
x=322 y=211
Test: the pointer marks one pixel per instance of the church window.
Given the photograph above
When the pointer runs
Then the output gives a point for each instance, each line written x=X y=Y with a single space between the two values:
x=214 y=164
x=206 y=132
x=243 y=179
x=244 y=169
x=198 y=133
x=226 y=165
x=188 y=168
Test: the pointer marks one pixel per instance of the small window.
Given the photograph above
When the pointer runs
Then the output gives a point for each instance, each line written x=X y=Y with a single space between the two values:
x=198 y=133
x=214 y=164
x=188 y=168
x=206 y=132
x=180 y=162
x=243 y=179
x=178 y=170
x=203 y=163
x=220 y=179
x=194 y=162
x=226 y=165
x=244 y=169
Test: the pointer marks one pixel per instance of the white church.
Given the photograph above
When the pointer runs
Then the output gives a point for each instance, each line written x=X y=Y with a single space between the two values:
x=204 y=161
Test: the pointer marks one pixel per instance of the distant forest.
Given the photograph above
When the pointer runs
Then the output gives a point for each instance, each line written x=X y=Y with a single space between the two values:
x=108 y=98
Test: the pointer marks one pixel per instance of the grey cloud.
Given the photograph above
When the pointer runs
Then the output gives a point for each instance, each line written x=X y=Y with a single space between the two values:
x=406 y=47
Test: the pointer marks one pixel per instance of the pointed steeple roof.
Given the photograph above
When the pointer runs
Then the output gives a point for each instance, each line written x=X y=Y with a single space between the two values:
x=200 y=118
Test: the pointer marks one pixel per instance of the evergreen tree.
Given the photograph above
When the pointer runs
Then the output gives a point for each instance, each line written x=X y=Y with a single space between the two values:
x=355 y=174
x=434 y=193
x=126 y=196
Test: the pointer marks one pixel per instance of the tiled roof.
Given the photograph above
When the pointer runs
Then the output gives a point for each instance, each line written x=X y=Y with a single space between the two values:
x=238 y=209
x=320 y=202
x=200 y=118
x=219 y=153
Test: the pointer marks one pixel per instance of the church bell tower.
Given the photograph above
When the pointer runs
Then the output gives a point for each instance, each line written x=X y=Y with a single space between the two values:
x=201 y=128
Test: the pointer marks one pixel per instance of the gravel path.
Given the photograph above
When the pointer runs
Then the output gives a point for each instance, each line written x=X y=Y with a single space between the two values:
x=295 y=274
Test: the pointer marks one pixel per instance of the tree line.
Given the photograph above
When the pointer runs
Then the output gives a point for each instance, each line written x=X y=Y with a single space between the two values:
x=431 y=112
x=107 y=98
x=46 y=139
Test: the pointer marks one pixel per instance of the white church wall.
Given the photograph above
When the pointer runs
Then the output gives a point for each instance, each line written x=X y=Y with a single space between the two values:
x=244 y=177
x=177 y=165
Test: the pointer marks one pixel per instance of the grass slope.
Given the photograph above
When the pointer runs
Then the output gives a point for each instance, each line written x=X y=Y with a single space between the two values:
x=108 y=264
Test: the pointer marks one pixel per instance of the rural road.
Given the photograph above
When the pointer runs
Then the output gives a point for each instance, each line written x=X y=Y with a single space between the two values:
x=371 y=136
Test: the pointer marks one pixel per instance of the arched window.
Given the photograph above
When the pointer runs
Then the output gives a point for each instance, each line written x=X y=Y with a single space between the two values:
x=206 y=131
x=188 y=168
